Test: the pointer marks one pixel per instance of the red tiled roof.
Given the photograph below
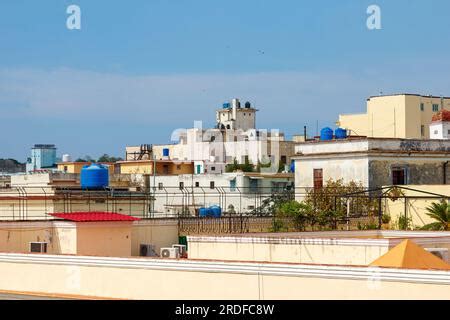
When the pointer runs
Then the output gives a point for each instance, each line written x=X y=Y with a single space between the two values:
x=94 y=216
x=443 y=115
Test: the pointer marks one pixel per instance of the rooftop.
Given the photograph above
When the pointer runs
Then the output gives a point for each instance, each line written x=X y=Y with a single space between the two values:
x=93 y=216
x=408 y=255
x=408 y=94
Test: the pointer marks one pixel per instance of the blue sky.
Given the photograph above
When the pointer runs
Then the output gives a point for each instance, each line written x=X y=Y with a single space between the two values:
x=139 y=69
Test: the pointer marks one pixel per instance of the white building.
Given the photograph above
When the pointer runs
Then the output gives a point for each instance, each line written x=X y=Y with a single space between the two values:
x=234 y=117
x=440 y=125
x=235 y=137
x=234 y=192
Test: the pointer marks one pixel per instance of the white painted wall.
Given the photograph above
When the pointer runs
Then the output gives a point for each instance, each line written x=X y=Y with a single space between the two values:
x=440 y=130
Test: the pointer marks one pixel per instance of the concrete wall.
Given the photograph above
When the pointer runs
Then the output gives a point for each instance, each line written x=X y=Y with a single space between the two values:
x=110 y=239
x=416 y=208
x=440 y=130
x=325 y=248
x=418 y=171
x=348 y=169
x=168 y=279
x=161 y=233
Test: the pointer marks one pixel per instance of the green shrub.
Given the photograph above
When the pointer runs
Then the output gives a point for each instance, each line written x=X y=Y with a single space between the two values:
x=386 y=218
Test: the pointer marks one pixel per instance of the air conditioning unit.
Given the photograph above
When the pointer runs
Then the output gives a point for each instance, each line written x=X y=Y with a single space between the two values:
x=441 y=253
x=147 y=250
x=181 y=249
x=170 y=253
x=38 y=247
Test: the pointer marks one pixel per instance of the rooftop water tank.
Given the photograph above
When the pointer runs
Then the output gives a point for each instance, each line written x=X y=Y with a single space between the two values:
x=248 y=105
x=66 y=158
x=165 y=152
x=292 y=166
x=326 y=134
x=340 y=133
x=226 y=105
x=204 y=212
x=94 y=176
x=216 y=211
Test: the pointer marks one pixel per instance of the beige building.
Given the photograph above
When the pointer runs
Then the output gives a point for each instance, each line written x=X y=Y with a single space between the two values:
x=395 y=116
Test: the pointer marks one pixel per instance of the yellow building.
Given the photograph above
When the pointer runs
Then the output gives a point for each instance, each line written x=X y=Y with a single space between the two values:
x=163 y=167
x=395 y=116
x=75 y=167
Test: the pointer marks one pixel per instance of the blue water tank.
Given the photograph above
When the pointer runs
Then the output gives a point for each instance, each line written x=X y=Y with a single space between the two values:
x=326 y=134
x=292 y=166
x=216 y=211
x=204 y=212
x=94 y=176
x=340 y=133
x=165 y=152
x=226 y=105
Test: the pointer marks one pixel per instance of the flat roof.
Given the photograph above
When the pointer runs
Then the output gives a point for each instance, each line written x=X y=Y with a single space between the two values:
x=408 y=94
x=158 y=160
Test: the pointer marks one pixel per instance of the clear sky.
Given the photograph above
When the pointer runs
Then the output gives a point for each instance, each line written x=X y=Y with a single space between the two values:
x=139 y=69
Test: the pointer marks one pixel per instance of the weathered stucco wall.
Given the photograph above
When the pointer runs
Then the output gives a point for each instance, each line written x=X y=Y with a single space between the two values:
x=425 y=172
x=161 y=233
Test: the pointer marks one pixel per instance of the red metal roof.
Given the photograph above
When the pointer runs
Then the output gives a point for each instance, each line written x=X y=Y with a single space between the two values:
x=94 y=216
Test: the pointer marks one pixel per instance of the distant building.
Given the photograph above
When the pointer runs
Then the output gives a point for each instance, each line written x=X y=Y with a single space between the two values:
x=233 y=116
x=440 y=125
x=234 y=138
x=43 y=156
x=406 y=116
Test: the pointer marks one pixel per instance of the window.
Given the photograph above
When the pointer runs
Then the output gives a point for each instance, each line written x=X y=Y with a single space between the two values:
x=436 y=131
x=213 y=168
x=38 y=247
x=178 y=167
x=318 y=179
x=65 y=168
x=197 y=184
x=165 y=169
x=448 y=131
x=422 y=107
x=211 y=185
x=435 y=107
x=233 y=185
x=181 y=185
x=254 y=185
x=160 y=186
x=283 y=160
x=398 y=176
x=422 y=130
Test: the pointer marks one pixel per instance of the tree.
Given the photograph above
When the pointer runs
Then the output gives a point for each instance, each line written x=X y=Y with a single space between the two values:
x=106 y=158
x=245 y=167
x=331 y=198
x=441 y=213
x=300 y=212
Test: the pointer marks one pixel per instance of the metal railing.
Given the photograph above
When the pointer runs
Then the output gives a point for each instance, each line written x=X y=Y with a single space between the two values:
x=244 y=209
